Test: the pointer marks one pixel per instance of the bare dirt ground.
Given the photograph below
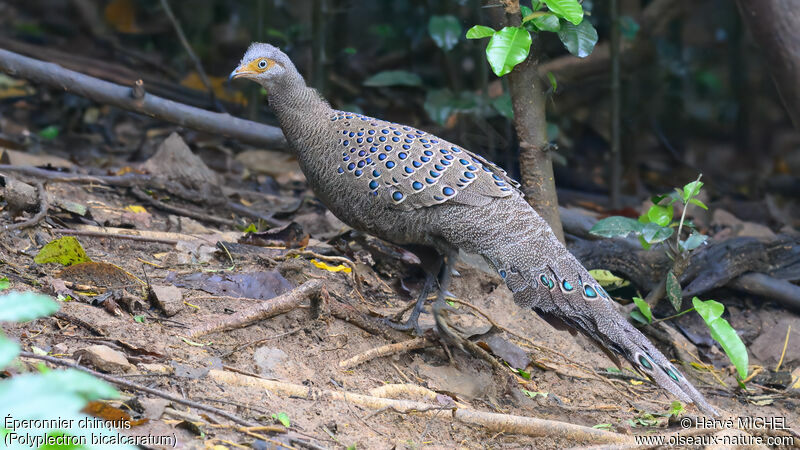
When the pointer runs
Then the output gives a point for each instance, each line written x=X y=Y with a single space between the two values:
x=568 y=377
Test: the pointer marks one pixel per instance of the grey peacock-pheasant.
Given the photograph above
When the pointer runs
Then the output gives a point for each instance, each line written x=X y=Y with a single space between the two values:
x=411 y=188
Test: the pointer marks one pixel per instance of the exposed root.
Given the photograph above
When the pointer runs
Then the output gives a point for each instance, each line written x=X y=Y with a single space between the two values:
x=491 y=421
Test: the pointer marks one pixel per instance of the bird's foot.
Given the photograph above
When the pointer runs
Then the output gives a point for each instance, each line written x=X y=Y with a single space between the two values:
x=411 y=324
x=446 y=332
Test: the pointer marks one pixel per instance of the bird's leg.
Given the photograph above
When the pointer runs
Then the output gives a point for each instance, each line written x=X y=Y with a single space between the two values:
x=440 y=305
x=413 y=319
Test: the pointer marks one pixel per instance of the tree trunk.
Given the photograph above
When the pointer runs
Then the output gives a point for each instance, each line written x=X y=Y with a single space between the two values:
x=535 y=163
x=775 y=25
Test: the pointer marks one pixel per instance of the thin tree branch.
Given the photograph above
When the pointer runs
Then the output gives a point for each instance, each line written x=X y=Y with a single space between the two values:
x=120 y=96
x=192 y=55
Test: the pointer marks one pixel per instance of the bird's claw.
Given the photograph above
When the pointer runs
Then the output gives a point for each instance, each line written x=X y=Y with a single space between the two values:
x=411 y=324
x=446 y=332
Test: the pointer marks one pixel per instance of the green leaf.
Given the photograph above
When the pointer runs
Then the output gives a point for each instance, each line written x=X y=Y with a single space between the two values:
x=697 y=202
x=507 y=48
x=607 y=279
x=628 y=27
x=644 y=308
x=138 y=319
x=66 y=251
x=523 y=374
x=722 y=332
x=250 y=229
x=656 y=199
x=660 y=215
x=616 y=226
x=445 y=31
x=393 y=78
x=674 y=291
x=653 y=233
x=25 y=306
x=553 y=81
x=676 y=409
x=552 y=132
x=534 y=394
x=283 y=418
x=639 y=317
x=57 y=394
x=480 y=32
x=66 y=444
x=440 y=104
x=504 y=106
x=351 y=107
x=525 y=12
x=578 y=39
x=4 y=283
x=8 y=351
x=566 y=9
x=546 y=22
x=602 y=426
x=49 y=133
x=691 y=190
x=692 y=242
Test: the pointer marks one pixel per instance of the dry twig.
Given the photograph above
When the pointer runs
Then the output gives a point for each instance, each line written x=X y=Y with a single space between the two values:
x=269 y=308
x=385 y=350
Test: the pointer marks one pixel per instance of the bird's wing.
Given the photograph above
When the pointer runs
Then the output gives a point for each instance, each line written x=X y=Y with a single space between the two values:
x=411 y=169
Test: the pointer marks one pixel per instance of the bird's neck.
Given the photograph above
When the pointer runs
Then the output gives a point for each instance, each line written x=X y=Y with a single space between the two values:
x=300 y=111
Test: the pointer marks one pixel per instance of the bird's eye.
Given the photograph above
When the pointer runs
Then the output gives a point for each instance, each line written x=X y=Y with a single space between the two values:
x=262 y=64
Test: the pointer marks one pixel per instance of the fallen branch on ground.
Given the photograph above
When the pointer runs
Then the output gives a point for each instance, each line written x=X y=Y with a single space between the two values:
x=715 y=265
x=496 y=422
x=385 y=350
x=264 y=310
x=112 y=94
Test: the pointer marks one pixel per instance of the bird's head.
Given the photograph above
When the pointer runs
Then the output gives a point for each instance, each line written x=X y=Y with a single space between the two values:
x=265 y=64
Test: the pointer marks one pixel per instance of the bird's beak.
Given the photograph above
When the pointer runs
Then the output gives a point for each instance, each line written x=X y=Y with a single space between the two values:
x=240 y=71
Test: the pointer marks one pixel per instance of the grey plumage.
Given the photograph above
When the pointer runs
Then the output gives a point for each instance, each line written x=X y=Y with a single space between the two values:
x=409 y=187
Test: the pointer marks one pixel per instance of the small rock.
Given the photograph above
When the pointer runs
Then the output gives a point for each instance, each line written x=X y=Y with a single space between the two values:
x=722 y=218
x=190 y=226
x=168 y=298
x=174 y=161
x=153 y=408
x=767 y=347
x=156 y=368
x=795 y=386
x=105 y=359
x=267 y=359
x=20 y=196
x=60 y=349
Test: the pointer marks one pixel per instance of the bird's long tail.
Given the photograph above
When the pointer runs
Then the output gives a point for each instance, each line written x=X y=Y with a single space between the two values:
x=545 y=277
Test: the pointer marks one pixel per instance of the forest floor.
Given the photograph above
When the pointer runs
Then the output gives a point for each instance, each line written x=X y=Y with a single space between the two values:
x=203 y=270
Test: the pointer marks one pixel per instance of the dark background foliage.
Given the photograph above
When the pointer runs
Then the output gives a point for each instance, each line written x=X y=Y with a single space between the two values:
x=701 y=100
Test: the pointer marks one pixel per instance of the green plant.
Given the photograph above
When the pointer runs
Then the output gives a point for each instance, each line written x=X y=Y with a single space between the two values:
x=656 y=227
x=45 y=408
x=511 y=45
